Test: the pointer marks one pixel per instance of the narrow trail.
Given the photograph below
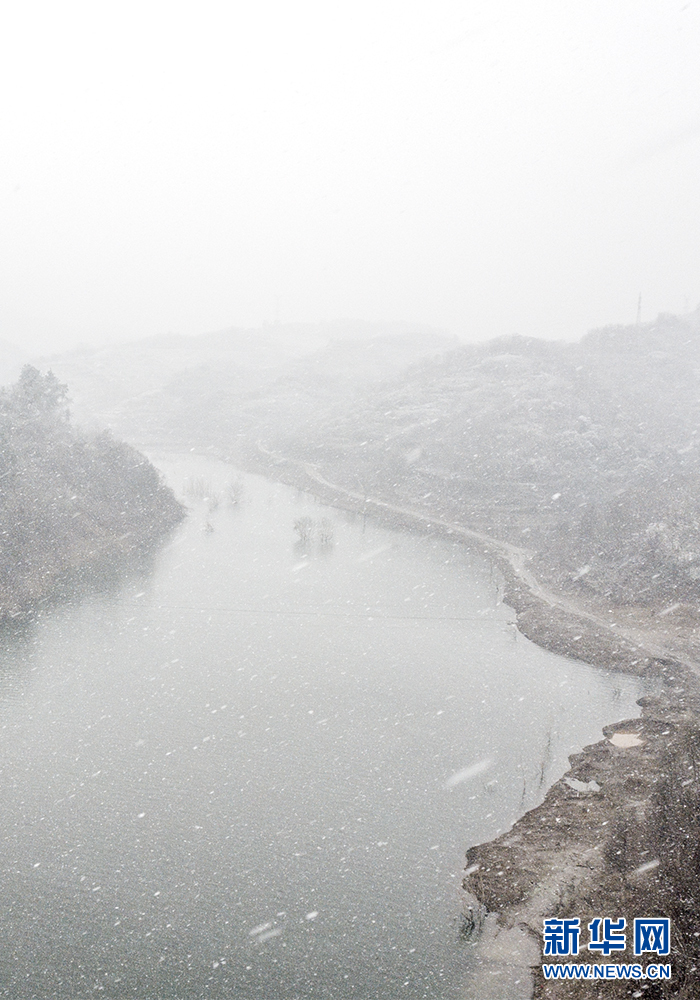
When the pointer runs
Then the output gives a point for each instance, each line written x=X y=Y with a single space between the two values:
x=516 y=556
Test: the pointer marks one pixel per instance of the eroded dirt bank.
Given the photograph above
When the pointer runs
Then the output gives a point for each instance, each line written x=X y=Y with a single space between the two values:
x=619 y=834
x=616 y=836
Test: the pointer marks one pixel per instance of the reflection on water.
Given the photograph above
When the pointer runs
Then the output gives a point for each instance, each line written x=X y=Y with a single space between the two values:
x=255 y=771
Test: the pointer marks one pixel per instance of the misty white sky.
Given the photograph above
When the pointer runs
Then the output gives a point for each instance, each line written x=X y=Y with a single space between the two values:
x=485 y=167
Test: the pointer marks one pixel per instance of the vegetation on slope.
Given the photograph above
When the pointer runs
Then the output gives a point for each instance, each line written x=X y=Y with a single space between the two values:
x=587 y=453
x=68 y=503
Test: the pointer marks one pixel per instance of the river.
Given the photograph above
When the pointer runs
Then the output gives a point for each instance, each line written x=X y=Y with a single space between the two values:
x=254 y=770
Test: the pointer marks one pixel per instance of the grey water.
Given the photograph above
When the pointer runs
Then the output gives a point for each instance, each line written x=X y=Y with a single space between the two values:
x=254 y=771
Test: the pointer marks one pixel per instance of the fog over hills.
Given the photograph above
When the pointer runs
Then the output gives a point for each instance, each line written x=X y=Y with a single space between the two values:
x=585 y=452
x=192 y=389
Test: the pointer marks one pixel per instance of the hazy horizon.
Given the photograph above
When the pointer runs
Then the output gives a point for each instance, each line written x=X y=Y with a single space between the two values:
x=484 y=171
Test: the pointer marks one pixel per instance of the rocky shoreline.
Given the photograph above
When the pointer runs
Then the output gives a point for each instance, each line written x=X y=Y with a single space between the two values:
x=617 y=835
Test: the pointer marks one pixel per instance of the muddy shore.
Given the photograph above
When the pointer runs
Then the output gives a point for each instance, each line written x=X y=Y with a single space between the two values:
x=618 y=834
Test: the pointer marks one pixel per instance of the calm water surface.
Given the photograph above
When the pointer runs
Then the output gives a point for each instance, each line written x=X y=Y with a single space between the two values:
x=239 y=775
